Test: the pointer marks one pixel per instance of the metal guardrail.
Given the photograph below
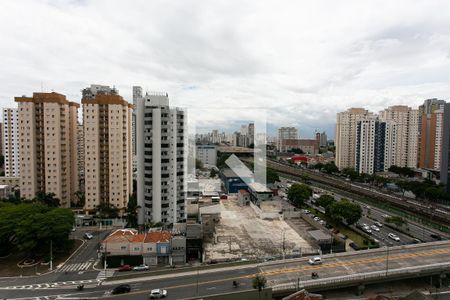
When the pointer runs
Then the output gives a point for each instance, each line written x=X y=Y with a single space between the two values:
x=364 y=277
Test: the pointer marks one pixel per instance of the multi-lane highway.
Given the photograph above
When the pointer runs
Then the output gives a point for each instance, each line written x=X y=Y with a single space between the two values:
x=384 y=261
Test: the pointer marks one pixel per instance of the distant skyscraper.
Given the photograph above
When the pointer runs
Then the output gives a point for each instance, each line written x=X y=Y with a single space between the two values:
x=107 y=120
x=48 y=152
x=323 y=139
x=406 y=139
x=162 y=159
x=286 y=133
x=345 y=140
x=445 y=158
x=10 y=142
x=430 y=136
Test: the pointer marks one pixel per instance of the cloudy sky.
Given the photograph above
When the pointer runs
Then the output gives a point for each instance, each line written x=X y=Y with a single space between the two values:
x=298 y=62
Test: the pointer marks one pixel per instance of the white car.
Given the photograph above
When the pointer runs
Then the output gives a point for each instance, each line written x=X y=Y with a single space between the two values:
x=375 y=228
x=315 y=260
x=394 y=237
x=378 y=224
x=157 y=294
x=316 y=219
x=322 y=222
x=367 y=229
x=141 y=268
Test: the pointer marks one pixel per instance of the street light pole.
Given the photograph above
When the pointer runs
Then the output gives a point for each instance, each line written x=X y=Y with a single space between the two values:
x=387 y=259
x=51 y=255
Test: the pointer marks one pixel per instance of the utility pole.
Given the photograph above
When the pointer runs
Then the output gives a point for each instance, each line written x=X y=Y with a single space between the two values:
x=51 y=255
x=387 y=259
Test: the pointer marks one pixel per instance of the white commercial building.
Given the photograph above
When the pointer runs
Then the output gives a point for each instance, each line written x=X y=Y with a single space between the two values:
x=11 y=142
x=207 y=154
x=161 y=159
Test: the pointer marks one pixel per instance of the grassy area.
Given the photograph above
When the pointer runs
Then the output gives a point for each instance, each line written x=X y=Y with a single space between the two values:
x=360 y=240
x=9 y=268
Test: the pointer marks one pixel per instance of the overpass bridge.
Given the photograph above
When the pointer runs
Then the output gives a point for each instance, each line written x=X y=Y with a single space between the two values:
x=361 y=268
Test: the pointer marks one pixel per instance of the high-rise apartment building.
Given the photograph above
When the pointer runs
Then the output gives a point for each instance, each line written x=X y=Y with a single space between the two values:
x=406 y=121
x=345 y=140
x=374 y=145
x=10 y=142
x=286 y=133
x=431 y=115
x=48 y=151
x=161 y=142
x=445 y=158
x=107 y=121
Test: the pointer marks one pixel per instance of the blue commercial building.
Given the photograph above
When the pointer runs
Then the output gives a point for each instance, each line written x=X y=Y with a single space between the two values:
x=233 y=182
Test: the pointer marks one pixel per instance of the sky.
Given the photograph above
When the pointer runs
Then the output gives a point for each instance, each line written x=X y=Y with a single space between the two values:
x=295 y=63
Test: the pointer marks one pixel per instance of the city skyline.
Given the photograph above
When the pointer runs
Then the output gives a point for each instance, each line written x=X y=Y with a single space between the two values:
x=282 y=58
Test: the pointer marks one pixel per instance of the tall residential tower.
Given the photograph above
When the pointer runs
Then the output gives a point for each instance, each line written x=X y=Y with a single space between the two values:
x=10 y=142
x=48 y=154
x=161 y=156
x=107 y=120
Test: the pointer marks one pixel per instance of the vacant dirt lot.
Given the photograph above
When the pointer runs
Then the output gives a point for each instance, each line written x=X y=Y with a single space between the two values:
x=242 y=234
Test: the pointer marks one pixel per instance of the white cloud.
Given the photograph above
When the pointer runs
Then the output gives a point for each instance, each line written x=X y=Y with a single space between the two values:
x=303 y=61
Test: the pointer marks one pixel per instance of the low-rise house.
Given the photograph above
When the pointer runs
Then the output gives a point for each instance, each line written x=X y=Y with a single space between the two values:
x=152 y=248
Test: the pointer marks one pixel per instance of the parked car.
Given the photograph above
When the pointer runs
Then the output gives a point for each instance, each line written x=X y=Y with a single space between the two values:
x=158 y=294
x=367 y=230
x=121 y=289
x=315 y=260
x=378 y=224
x=394 y=237
x=385 y=216
x=436 y=236
x=322 y=222
x=88 y=236
x=142 y=267
x=375 y=228
x=316 y=219
x=354 y=246
x=125 y=268
x=416 y=241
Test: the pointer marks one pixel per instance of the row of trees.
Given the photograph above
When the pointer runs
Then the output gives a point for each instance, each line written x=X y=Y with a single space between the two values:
x=30 y=227
x=343 y=211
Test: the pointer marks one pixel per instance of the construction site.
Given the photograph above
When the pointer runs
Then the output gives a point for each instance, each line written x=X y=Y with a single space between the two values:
x=249 y=232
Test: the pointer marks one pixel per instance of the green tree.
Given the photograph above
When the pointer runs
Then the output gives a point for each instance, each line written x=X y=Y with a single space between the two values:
x=131 y=211
x=198 y=164
x=48 y=199
x=396 y=220
x=350 y=173
x=330 y=168
x=344 y=211
x=272 y=176
x=81 y=198
x=325 y=201
x=213 y=173
x=259 y=282
x=105 y=210
x=297 y=151
x=298 y=193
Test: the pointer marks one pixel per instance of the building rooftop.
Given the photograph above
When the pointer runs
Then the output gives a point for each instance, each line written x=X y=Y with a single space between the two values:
x=242 y=172
x=259 y=187
x=132 y=236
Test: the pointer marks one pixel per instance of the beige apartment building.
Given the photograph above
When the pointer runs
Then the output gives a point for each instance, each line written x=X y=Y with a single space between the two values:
x=405 y=143
x=345 y=140
x=48 y=151
x=107 y=121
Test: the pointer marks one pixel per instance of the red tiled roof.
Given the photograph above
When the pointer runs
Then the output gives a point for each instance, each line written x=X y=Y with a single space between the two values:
x=132 y=236
x=158 y=236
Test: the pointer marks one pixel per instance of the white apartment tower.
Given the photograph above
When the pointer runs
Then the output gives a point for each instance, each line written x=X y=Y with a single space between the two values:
x=406 y=142
x=11 y=142
x=345 y=140
x=107 y=120
x=162 y=159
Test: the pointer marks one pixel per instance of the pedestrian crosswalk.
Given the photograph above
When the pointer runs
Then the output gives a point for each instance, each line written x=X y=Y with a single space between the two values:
x=75 y=267
x=105 y=274
x=52 y=285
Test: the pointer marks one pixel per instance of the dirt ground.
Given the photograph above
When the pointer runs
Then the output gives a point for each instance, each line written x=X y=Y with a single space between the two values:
x=242 y=234
x=9 y=268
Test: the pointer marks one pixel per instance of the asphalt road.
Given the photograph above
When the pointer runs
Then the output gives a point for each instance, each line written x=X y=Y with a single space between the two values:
x=219 y=281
